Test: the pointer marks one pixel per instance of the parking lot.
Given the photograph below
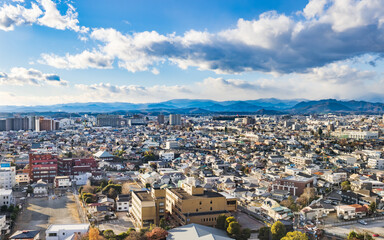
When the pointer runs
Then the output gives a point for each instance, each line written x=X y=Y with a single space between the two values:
x=375 y=227
x=122 y=224
x=39 y=213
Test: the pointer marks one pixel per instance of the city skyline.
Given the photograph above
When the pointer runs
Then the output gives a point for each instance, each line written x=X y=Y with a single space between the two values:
x=63 y=52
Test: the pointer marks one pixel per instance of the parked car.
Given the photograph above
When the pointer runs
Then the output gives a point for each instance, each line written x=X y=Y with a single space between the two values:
x=375 y=235
x=362 y=222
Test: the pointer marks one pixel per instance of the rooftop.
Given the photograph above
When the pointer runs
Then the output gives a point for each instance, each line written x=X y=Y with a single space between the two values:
x=58 y=227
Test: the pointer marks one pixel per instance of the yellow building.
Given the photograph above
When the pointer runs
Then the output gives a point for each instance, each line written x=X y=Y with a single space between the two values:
x=148 y=207
x=185 y=205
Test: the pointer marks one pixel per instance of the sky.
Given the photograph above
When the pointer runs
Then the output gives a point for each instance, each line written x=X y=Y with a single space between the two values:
x=62 y=51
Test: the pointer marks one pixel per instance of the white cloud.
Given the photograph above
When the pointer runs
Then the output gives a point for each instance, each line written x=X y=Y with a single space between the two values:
x=83 y=60
x=21 y=76
x=52 y=17
x=273 y=43
x=12 y=15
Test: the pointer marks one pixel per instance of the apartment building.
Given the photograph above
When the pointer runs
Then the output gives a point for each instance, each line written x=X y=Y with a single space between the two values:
x=7 y=176
x=6 y=197
x=22 y=176
x=187 y=204
x=192 y=204
x=300 y=160
x=75 y=166
x=148 y=207
x=376 y=163
x=294 y=184
x=42 y=166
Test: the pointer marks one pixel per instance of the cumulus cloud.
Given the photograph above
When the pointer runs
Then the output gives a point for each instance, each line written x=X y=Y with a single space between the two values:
x=325 y=31
x=52 y=17
x=82 y=60
x=21 y=76
x=42 y=12
x=15 y=15
x=133 y=93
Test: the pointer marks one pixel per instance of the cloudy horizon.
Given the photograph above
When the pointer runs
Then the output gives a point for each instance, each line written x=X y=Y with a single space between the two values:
x=65 y=52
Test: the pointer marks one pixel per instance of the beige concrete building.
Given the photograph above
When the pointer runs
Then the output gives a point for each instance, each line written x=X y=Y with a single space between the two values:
x=185 y=205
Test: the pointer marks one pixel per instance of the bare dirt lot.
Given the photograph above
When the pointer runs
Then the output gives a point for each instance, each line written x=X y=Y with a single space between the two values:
x=39 y=213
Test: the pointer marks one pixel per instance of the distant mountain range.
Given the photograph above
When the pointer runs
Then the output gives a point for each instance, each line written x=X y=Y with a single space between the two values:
x=201 y=106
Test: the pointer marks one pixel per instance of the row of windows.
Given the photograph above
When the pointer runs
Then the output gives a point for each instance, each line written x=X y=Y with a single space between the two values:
x=207 y=219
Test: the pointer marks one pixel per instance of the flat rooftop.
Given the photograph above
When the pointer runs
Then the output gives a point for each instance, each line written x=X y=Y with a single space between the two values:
x=184 y=195
x=58 y=227
x=144 y=195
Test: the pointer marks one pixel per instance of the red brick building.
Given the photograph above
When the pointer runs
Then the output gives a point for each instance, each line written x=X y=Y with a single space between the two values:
x=73 y=166
x=42 y=166
x=47 y=166
x=294 y=184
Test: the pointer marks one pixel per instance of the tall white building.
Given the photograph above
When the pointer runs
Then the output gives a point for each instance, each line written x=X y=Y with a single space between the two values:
x=7 y=176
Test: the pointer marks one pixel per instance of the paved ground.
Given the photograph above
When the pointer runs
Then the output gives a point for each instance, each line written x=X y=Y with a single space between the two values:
x=122 y=224
x=39 y=213
x=372 y=227
x=247 y=221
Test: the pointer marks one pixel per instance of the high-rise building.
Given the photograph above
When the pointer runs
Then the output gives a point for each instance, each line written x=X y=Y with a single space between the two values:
x=160 y=119
x=175 y=119
x=108 y=120
x=2 y=125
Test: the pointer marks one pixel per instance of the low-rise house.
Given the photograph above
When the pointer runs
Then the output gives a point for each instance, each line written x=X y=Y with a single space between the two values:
x=275 y=211
x=62 y=182
x=40 y=188
x=4 y=227
x=122 y=202
x=66 y=231
x=6 y=197
x=26 y=235
x=353 y=211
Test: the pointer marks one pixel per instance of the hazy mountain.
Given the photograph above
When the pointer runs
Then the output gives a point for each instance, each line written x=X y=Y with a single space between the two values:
x=204 y=106
x=332 y=105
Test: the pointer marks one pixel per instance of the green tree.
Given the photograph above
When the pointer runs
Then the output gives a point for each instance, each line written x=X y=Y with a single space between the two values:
x=264 y=233
x=359 y=236
x=278 y=230
x=228 y=220
x=163 y=224
x=372 y=207
x=352 y=235
x=296 y=235
x=220 y=222
x=234 y=229
x=109 y=234
x=245 y=234
x=112 y=193
x=346 y=185
x=4 y=208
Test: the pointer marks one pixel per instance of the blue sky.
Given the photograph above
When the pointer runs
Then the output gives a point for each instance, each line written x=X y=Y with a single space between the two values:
x=150 y=51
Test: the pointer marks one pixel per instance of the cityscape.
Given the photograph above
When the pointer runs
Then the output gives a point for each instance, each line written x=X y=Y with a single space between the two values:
x=188 y=120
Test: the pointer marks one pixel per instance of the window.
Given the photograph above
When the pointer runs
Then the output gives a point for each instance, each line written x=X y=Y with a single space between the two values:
x=197 y=210
x=52 y=234
x=211 y=208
